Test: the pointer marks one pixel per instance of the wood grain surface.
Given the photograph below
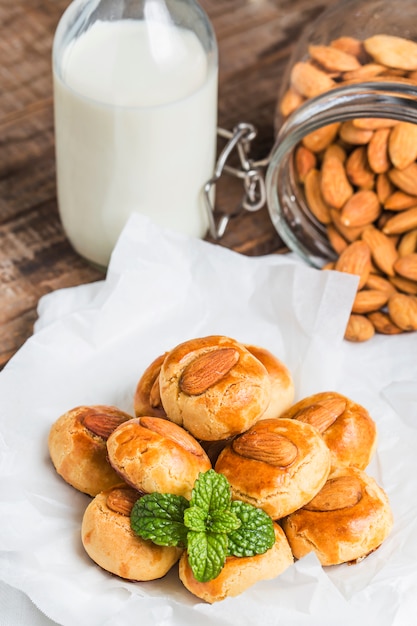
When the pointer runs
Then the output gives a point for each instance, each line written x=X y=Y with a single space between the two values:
x=255 y=40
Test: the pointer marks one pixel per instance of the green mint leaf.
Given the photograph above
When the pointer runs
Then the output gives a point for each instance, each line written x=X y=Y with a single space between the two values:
x=222 y=522
x=256 y=533
x=206 y=554
x=199 y=520
x=160 y=518
x=211 y=492
x=195 y=518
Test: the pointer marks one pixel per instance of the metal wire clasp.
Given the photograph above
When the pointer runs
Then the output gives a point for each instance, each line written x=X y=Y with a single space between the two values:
x=250 y=172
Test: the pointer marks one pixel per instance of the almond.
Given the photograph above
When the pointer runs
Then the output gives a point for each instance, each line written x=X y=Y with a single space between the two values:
x=290 y=101
x=207 y=370
x=322 y=414
x=408 y=243
x=377 y=151
x=172 y=431
x=358 y=170
x=399 y=200
x=338 y=493
x=361 y=208
x=350 y=45
x=102 y=422
x=405 y=285
x=368 y=300
x=305 y=161
x=402 y=145
x=319 y=139
x=379 y=282
x=356 y=259
x=337 y=241
x=121 y=500
x=401 y=223
x=333 y=59
x=402 y=309
x=392 y=51
x=334 y=184
x=383 y=324
x=405 y=179
x=351 y=134
x=383 y=187
x=309 y=81
x=364 y=72
x=359 y=328
x=314 y=197
x=269 y=447
x=373 y=123
x=335 y=150
x=348 y=232
x=383 y=250
x=406 y=266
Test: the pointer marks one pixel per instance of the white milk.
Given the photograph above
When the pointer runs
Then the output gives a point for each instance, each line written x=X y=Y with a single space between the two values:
x=135 y=128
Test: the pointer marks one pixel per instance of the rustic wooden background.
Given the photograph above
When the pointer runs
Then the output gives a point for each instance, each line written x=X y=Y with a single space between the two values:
x=255 y=40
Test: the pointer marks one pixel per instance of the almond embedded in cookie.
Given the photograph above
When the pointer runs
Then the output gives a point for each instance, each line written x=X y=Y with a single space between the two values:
x=346 y=427
x=278 y=465
x=349 y=518
x=77 y=446
x=110 y=542
x=214 y=387
x=154 y=454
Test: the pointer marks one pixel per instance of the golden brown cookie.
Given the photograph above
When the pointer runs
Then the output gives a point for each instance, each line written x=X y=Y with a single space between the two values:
x=153 y=454
x=111 y=543
x=347 y=428
x=277 y=465
x=239 y=573
x=349 y=518
x=214 y=387
x=77 y=446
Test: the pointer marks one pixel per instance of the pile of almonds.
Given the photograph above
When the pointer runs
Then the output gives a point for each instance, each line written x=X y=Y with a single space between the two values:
x=360 y=180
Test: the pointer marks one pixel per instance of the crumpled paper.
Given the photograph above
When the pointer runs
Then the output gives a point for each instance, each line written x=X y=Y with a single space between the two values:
x=91 y=345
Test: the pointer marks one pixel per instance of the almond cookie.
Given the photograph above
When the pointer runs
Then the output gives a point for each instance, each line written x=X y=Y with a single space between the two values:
x=77 y=446
x=278 y=465
x=153 y=454
x=347 y=428
x=349 y=518
x=111 y=543
x=214 y=387
x=239 y=573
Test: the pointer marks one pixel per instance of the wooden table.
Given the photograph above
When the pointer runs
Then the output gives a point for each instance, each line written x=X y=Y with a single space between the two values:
x=255 y=39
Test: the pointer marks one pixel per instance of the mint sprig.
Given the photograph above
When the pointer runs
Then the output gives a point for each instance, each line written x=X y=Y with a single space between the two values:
x=210 y=526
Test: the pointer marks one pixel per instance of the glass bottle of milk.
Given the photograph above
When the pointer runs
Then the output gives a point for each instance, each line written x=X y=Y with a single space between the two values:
x=135 y=104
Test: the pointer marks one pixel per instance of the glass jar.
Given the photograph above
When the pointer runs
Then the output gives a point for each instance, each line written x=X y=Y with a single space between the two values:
x=379 y=88
x=135 y=103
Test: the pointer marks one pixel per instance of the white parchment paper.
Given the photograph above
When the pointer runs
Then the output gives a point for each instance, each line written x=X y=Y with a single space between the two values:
x=91 y=345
